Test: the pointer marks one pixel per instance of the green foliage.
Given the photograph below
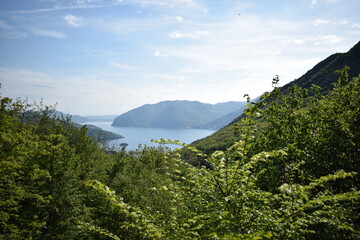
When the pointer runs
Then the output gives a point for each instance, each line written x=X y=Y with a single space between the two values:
x=21 y=178
x=289 y=170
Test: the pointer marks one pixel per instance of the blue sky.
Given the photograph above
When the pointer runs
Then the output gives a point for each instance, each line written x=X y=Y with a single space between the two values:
x=95 y=57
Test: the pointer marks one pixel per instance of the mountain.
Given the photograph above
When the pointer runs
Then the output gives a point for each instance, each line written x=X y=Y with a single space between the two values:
x=179 y=114
x=78 y=119
x=322 y=74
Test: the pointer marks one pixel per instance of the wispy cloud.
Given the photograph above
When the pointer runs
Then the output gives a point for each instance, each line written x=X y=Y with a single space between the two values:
x=73 y=20
x=88 y=4
x=123 y=66
x=13 y=34
x=8 y=31
x=99 y=52
x=48 y=33
x=57 y=7
x=5 y=26
x=314 y=2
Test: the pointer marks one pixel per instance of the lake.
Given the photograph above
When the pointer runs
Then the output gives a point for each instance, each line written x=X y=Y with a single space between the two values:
x=134 y=136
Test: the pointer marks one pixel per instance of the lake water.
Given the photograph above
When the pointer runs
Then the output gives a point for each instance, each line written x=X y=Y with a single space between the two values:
x=134 y=136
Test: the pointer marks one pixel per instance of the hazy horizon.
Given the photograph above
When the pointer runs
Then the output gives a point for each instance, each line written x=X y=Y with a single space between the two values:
x=106 y=57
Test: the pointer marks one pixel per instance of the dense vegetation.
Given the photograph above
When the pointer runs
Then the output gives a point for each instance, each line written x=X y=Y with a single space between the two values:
x=290 y=173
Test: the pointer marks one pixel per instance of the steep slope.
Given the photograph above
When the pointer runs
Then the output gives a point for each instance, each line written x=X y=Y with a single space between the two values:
x=176 y=114
x=322 y=74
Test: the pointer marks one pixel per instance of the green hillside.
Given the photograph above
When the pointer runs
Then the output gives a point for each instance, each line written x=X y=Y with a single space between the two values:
x=291 y=172
x=322 y=74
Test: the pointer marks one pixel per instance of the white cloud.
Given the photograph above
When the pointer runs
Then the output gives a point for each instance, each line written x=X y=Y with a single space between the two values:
x=299 y=41
x=176 y=34
x=328 y=39
x=320 y=21
x=314 y=2
x=179 y=18
x=47 y=33
x=123 y=66
x=247 y=53
x=159 y=54
x=342 y=22
x=356 y=25
x=193 y=34
x=73 y=20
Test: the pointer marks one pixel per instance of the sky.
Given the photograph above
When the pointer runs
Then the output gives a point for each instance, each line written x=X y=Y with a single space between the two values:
x=97 y=57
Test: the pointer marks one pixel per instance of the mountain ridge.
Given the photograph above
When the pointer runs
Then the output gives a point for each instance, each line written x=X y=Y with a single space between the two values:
x=178 y=114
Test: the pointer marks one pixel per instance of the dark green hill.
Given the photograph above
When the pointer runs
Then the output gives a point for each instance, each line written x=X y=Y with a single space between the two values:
x=179 y=114
x=322 y=74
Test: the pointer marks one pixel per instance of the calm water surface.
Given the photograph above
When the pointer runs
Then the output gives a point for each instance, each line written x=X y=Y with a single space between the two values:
x=136 y=135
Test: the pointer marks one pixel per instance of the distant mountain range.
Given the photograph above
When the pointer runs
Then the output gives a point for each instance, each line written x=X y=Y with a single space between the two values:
x=181 y=114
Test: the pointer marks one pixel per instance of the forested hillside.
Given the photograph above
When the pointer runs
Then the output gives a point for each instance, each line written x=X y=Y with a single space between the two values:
x=291 y=172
